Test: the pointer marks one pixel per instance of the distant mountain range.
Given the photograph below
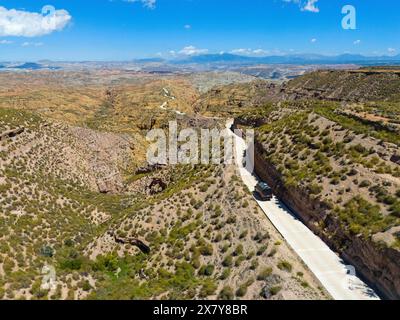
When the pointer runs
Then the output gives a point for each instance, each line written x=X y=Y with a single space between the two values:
x=210 y=61
x=290 y=59
x=28 y=66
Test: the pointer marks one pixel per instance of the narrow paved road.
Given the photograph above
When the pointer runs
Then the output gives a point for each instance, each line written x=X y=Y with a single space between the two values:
x=331 y=271
x=164 y=106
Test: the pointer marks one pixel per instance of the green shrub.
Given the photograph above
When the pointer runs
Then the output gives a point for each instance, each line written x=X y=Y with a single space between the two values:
x=352 y=172
x=47 y=251
x=239 y=250
x=314 y=189
x=69 y=243
x=239 y=260
x=261 y=250
x=365 y=184
x=389 y=200
x=225 y=274
x=395 y=209
x=275 y=290
x=206 y=249
x=363 y=217
x=259 y=237
x=228 y=261
x=71 y=264
x=196 y=262
x=264 y=274
x=226 y=293
x=107 y=263
x=208 y=289
x=207 y=270
x=86 y=286
x=243 y=234
x=198 y=205
x=285 y=265
x=254 y=264
x=241 y=291
x=335 y=181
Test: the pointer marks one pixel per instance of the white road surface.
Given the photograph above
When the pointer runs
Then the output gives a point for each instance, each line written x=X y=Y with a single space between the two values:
x=164 y=106
x=338 y=279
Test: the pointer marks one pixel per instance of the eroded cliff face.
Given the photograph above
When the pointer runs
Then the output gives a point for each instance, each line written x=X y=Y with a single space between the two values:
x=338 y=85
x=376 y=264
x=379 y=266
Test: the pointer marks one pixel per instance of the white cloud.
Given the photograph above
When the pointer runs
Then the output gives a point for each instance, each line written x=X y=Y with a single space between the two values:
x=31 y=24
x=5 y=42
x=260 y=52
x=241 y=51
x=32 y=44
x=192 y=51
x=249 y=52
x=310 y=6
x=313 y=40
x=306 y=5
x=188 y=27
x=392 y=50
x=357 y=42
x=151 y=4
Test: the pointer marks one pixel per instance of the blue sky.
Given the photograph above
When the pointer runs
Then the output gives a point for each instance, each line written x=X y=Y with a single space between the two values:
x=127 y=29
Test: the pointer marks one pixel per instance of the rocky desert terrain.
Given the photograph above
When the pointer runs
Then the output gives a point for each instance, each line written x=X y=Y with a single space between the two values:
x=330 y=150
x=78 y=197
